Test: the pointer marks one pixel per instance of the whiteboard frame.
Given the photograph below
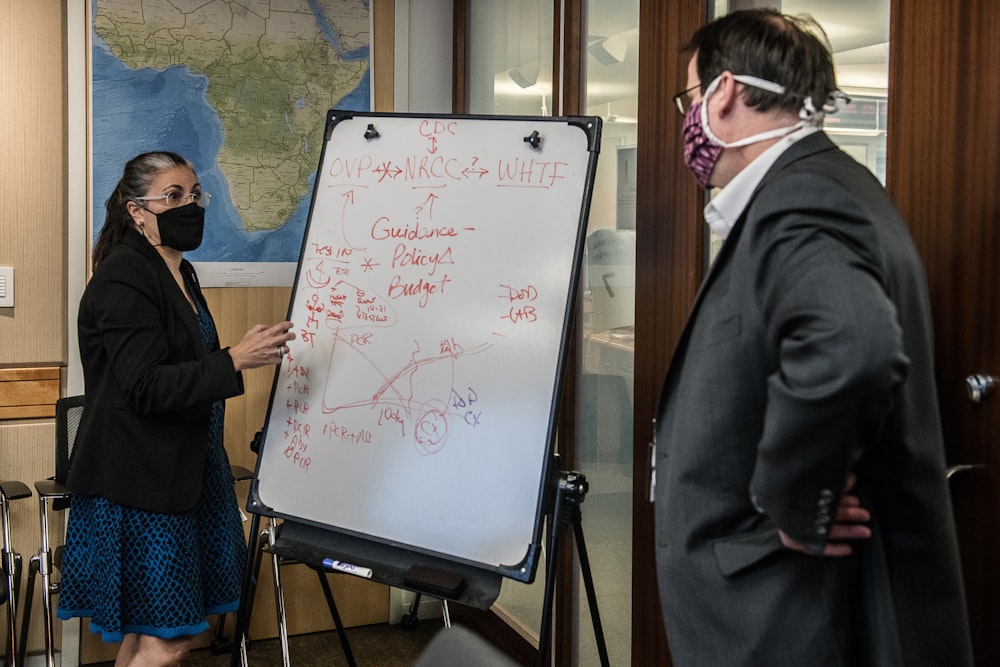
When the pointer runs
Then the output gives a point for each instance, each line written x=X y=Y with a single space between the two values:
x=524 y=570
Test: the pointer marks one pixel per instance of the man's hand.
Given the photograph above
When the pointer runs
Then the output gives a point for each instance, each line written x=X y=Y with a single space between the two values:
x=850 y=523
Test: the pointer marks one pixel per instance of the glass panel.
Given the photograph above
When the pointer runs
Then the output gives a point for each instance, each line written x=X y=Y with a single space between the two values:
x=605 y=388
x=859 y=35
x=510 y=73
x=510 y=57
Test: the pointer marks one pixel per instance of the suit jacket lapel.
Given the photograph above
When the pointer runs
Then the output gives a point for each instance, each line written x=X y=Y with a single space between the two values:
x=175 y=297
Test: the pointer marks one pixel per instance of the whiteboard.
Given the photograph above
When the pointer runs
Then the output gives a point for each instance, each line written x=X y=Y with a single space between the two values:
x=431 y=304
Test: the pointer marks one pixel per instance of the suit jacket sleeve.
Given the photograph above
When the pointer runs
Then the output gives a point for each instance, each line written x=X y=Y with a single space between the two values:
x=838 y=346
x=160 y=366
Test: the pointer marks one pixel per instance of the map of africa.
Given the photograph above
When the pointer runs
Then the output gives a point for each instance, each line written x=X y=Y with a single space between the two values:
x=241 y=89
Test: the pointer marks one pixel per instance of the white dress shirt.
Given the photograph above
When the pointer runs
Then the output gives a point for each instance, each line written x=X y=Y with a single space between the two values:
x=725 y=208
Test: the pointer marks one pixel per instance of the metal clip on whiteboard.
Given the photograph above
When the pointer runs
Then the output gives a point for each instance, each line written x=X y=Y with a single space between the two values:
x=371 y=132
x=534 y=140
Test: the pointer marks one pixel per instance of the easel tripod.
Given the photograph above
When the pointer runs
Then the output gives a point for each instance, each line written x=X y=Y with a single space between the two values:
x=571 y=488
x=261 y=541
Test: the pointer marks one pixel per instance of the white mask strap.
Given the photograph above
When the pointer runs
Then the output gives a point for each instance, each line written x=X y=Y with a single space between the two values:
x=836 y=101
x=756 y=82
x=763 y=84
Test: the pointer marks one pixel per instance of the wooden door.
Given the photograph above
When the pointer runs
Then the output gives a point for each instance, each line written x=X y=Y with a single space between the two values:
x=670 y=260
x=944 y=174
x=943 y=171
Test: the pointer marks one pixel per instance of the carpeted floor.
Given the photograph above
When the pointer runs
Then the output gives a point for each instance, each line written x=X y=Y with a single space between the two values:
x=380 y=645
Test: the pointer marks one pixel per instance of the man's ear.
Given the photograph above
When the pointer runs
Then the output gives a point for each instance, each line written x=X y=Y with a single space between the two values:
x=726 y=95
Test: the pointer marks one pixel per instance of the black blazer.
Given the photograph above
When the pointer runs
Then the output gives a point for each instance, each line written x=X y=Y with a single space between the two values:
x=149 y=381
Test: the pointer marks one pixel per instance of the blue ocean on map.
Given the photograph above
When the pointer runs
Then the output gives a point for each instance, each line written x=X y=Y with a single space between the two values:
x=187 y=124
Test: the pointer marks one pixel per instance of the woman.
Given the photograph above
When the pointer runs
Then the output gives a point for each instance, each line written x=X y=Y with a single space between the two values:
x=155 y=542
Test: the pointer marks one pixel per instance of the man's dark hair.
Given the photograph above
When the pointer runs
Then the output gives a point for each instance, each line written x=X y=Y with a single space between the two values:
x=792 y=51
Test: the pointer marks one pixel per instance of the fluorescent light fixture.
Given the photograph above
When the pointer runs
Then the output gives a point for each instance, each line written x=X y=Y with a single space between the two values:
x=609 y=51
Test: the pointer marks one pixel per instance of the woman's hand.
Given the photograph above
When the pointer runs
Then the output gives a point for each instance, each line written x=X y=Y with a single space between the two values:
x=262 y=345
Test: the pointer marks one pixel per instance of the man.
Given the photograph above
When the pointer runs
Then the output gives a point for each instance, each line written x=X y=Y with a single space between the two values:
x=802 y=512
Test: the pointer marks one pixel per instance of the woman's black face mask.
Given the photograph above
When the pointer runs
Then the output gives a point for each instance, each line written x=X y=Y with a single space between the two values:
x=181 y=228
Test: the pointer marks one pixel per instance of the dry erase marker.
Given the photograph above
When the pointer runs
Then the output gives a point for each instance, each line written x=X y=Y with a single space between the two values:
x=341 y=566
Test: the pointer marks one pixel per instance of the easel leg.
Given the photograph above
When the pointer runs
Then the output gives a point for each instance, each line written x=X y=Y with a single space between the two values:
x=566 y=510
x=552 y=556
x=336 y=618
x=254 y=558
x=588 y=583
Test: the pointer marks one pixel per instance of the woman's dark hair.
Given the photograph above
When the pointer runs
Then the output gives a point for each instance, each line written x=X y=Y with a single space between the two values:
x=138 y=177
x=792 y=51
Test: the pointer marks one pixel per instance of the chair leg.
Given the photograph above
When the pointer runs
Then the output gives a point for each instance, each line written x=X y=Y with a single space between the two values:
x=48 y=590
x=279 y=597
x=446 y=613
x=29 y=595
x=411 y=620
x=45 y=568
x=11 y=561
x=221 y=644
x=12 y=567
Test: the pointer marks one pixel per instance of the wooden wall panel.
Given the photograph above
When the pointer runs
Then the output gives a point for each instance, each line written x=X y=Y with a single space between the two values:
x=236 y=310
x=28 y=392
x=33 y=187
x=383 y=50
x=32 y=241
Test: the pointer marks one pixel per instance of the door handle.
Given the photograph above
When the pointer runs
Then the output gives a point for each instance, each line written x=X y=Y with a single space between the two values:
x=980 y=386
x=963 y=468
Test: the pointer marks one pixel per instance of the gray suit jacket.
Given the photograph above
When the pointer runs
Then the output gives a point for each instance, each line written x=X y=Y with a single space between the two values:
x=808 y=353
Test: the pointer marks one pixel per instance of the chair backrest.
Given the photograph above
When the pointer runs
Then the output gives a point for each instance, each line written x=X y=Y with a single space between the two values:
x=69 y=410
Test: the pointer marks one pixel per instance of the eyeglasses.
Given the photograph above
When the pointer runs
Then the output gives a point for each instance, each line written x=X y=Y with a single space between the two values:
x=175 y=199
x=682 y=99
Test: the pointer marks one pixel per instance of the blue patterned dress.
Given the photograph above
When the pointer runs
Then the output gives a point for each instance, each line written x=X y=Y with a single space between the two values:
x=133 y=571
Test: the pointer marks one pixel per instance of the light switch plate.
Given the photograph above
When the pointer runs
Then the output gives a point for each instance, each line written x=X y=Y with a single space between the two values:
x=6 y=286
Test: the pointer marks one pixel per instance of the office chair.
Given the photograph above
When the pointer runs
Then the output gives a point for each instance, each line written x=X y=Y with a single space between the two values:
x=52 y=496
x=10 y=566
